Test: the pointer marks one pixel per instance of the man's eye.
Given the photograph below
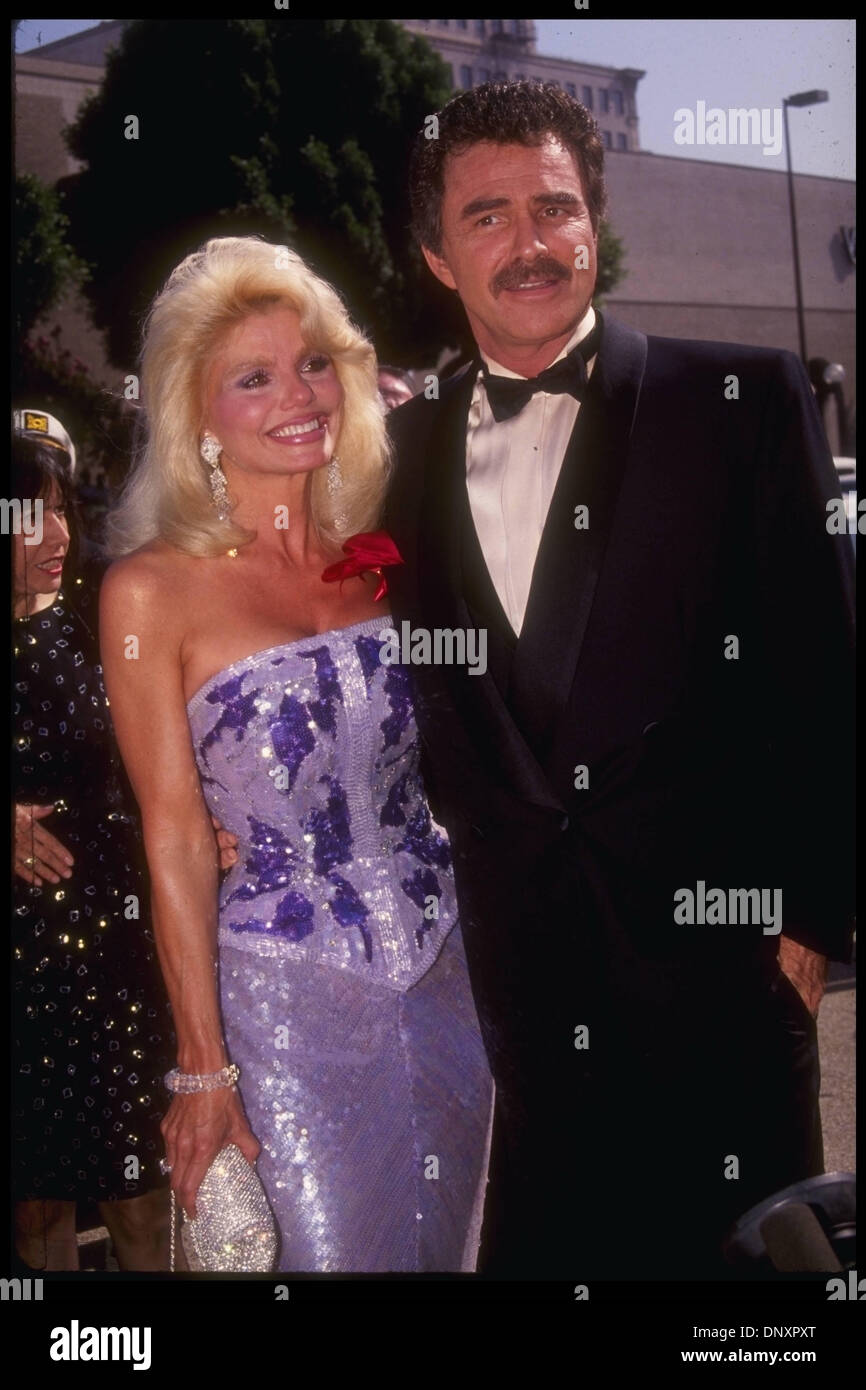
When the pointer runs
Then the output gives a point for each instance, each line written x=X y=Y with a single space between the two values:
x=254 y=379
x=317 y=363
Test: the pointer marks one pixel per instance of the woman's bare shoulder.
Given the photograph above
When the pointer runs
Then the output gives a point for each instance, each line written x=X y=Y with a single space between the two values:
x=156 y=575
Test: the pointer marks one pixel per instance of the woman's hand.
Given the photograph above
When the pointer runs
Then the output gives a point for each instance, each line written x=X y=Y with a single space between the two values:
x=39 y=854
x=196 y=1127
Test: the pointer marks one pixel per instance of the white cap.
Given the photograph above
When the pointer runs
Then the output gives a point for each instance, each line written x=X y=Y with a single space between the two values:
x=38 y=424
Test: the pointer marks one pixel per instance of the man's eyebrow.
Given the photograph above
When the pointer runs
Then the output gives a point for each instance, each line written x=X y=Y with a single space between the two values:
x=483 y=205
x=561 y=196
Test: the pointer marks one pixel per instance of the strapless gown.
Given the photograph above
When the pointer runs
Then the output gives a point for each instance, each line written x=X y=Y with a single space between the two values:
x=343 y=980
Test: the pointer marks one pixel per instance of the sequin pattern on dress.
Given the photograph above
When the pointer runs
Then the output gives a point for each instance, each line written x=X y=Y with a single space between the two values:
x=310 y=754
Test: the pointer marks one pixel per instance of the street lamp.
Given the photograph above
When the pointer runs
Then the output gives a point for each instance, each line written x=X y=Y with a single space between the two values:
x=798 y=99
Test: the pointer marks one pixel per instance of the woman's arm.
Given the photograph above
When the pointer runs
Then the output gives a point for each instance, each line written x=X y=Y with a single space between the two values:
x=140 y=634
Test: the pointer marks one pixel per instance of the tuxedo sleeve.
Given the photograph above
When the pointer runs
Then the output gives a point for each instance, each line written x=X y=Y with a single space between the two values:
x=806 y=621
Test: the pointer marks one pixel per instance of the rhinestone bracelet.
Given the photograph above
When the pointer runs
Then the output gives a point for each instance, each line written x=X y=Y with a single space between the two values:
x=185 y=1083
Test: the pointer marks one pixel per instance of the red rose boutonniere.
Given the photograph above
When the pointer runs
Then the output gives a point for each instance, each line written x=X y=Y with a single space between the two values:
x=367 y=551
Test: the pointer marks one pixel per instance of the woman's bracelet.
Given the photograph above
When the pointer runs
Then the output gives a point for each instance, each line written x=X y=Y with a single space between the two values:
x=185 y=1083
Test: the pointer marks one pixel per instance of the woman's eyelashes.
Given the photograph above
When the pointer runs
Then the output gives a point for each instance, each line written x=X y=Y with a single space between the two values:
x=256 y=378
x=317 y=362
x=309 y=366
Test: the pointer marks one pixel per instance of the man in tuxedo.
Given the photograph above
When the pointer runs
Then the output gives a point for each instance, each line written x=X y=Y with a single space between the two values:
x=648 y=790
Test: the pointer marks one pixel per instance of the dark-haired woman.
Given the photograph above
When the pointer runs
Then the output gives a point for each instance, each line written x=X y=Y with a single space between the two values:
x=92 y=1032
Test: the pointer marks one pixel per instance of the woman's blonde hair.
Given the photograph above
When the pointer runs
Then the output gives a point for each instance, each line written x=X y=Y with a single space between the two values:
x=167 y=495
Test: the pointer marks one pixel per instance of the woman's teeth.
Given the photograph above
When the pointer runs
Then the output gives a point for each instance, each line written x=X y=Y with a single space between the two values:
x=289 y=430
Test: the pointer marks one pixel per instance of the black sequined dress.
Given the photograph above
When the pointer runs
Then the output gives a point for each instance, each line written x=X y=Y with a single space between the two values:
x=92 y=1033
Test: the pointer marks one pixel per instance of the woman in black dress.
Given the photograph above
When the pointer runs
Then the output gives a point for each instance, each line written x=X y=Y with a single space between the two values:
x=92 y=1032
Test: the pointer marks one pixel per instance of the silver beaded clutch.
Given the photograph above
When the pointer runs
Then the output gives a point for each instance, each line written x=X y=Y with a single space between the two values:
x=234 y=1229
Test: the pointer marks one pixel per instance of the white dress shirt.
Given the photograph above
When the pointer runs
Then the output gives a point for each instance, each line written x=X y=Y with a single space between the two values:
x=511 y=472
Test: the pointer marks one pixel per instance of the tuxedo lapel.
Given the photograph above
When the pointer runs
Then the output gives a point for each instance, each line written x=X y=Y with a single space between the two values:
x=443 y=545
x=480 y=593
x=440 y=581
x=569 y=559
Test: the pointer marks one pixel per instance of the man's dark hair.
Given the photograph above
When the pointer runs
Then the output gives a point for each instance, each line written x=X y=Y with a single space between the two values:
x=505 y=113
x=399 y=373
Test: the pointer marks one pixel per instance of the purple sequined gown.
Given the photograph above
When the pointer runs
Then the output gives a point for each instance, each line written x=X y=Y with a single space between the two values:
x=345 y=993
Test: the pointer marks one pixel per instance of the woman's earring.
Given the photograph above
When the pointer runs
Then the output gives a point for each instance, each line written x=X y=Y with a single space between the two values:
x=335 y=482
x=210 y=450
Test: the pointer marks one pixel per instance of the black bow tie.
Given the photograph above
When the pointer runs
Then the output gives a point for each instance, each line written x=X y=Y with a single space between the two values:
x=508 y=395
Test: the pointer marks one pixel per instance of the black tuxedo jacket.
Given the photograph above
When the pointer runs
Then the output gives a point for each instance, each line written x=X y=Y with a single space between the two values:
x=691 y=649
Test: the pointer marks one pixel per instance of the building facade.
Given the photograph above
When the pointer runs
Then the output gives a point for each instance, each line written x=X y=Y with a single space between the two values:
x=503 y=50
x=51 y=82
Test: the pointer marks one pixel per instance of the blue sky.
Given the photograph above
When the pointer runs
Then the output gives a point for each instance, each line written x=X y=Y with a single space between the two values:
x=729 y=63
x=31 y=32
x=724 y=63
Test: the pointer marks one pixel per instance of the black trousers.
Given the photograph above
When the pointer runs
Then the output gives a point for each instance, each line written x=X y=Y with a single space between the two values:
x=636 y=1170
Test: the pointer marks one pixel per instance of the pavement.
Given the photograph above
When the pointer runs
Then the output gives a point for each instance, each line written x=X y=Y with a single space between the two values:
x=836 y=1032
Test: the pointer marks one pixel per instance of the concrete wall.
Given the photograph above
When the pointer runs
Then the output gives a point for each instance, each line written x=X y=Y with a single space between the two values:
x=47 y=97
x=708 y=254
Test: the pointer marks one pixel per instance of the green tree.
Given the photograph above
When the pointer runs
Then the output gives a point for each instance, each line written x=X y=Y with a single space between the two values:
x=45 y=265
x=235 y=135
x=611 y=257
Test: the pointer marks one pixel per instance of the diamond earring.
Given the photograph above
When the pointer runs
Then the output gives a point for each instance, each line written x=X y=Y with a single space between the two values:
x=210 y=450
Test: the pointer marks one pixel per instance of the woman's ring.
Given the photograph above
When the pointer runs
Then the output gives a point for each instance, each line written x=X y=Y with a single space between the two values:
x=164 y=1166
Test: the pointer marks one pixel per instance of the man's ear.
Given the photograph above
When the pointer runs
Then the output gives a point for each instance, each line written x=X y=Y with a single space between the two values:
x=439 y=267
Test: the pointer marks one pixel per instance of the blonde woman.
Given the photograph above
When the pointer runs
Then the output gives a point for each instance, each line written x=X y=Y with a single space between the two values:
x=328 y=966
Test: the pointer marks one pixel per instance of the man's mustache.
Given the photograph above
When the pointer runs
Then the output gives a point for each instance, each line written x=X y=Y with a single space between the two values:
x=546 y=268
